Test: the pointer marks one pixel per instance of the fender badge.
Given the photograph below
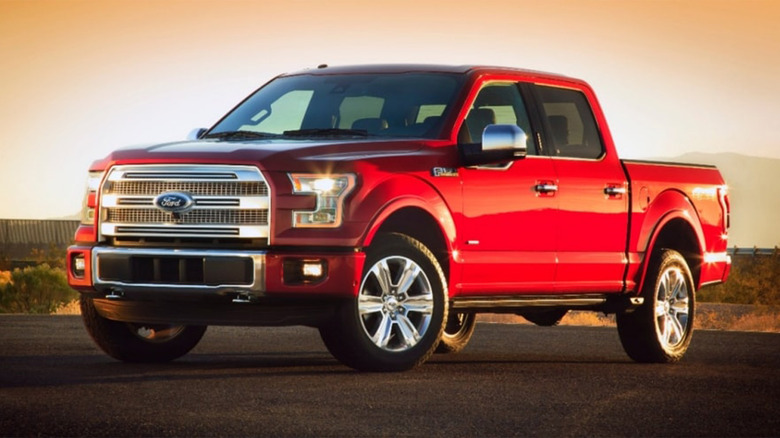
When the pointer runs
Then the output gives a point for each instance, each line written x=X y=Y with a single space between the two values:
x=444 y=171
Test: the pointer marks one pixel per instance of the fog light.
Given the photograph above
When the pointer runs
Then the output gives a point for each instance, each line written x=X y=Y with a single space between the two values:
x=78 y=265
x=305 y=271
x=311 y=270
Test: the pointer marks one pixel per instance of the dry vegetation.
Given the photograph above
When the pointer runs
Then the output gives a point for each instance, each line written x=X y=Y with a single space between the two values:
x=749 y=301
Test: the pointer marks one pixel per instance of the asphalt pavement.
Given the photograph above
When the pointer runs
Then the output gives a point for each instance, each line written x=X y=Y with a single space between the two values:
x=511 y=380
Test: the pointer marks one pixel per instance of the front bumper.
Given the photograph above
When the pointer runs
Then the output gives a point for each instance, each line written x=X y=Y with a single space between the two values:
x=141 y=273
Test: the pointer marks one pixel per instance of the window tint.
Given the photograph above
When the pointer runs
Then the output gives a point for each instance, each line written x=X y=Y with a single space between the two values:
x=501 y=104
x=356 y=108
x=286 y=113
x=425 y=112
x=391 y=105
x=570 y=123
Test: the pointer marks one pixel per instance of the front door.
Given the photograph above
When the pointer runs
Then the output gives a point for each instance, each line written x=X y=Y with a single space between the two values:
x=506 y=240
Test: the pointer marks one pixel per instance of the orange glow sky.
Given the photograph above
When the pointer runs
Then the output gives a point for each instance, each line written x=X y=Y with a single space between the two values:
x=80 y=78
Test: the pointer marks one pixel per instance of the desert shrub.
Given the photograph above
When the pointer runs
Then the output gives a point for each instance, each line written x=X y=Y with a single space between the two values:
x=754 y=279
x=53 y=256
x=35 y=289
x=5 y=262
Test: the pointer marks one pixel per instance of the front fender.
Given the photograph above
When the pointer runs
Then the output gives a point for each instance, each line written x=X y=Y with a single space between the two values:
x=400 y=192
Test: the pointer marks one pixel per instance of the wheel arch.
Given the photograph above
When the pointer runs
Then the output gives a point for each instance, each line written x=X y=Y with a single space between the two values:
x=418 y=223
x=677 y=232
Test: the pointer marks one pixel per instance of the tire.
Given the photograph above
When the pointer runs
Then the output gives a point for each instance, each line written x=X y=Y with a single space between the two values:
x=141 y=343
x=457 y=332
x=545 y=318
x=660 y=330
x=397 y=319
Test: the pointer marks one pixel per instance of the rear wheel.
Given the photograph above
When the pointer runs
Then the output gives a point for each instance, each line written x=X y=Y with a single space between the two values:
x=136 y=342
x=457 y=332
x=396 y=320
x=660 y=330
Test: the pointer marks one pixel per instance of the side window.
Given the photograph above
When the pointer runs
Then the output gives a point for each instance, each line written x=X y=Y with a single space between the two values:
x=570 y=123
x=497 y=103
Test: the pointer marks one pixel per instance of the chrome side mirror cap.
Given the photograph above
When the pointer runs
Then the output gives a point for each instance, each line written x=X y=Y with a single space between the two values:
x=196 y=133
x=505 y=138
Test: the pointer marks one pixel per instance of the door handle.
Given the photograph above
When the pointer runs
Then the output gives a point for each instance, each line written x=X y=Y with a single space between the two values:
x=546 y=188
x=614 y=190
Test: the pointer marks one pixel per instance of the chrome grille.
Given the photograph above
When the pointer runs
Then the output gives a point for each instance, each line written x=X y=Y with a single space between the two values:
x=196 y=188
x=228 y=201
x=210 y=216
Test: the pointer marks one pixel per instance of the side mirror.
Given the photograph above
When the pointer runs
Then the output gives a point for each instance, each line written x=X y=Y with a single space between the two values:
x=499 y=143
x=504 y=138
x=196 y=133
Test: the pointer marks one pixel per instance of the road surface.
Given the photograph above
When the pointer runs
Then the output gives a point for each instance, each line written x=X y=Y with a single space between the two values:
x=511 y=380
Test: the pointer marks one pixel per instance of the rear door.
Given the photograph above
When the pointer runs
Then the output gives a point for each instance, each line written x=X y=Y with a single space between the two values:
x=592 y=221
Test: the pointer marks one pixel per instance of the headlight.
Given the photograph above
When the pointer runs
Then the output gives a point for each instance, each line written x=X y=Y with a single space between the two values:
x=90 y=198
x=330 y=191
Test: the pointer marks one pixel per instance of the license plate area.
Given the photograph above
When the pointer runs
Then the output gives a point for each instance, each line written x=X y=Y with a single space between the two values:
x=176 y=269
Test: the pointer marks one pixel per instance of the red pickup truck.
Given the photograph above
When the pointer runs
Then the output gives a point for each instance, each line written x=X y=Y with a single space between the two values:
x=386 y=206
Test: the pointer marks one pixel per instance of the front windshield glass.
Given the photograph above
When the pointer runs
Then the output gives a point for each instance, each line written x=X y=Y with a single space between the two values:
x=411 y=105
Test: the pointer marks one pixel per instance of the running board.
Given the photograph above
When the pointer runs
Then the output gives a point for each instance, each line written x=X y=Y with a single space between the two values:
x=602 y=302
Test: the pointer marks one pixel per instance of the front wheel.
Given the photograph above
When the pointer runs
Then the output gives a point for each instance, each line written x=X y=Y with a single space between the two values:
x=136 y=342
x=660 y=330
x=396 y=320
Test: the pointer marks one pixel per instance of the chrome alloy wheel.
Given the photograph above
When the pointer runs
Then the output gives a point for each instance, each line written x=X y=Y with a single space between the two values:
x=395 y=303
x=672 y=307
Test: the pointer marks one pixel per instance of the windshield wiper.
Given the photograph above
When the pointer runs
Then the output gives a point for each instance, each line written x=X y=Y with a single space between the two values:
x=326 y=132
x=237 y=135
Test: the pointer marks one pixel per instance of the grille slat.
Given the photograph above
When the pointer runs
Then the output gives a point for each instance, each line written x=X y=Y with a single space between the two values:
x=218 y=192
x=162 y=231
x=195 y=188
x=200 y=216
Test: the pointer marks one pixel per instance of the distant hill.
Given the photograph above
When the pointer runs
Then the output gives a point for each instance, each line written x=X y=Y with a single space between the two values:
x=71 y=217
x=754 y=192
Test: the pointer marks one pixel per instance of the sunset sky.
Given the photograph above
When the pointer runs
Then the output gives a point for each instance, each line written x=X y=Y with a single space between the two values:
x=81 y=78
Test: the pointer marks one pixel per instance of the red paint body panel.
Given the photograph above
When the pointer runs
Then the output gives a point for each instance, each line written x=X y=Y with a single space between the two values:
x=591 y=226
x=507 y=242
x=663 y=193
x=502 y=236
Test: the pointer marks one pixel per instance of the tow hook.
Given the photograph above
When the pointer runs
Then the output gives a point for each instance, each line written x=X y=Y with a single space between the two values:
x=115 y=294
x=242 y=298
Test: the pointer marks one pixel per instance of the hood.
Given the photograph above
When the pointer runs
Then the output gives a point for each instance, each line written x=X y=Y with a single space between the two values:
x=273 y=154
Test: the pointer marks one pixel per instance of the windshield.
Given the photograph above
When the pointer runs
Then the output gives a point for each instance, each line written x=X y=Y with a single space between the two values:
x=411 y=105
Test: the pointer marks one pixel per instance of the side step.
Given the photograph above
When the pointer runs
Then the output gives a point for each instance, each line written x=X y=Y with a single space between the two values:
x=510 y=303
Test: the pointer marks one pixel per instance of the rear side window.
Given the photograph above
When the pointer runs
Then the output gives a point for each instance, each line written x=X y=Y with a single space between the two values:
x=570 y=123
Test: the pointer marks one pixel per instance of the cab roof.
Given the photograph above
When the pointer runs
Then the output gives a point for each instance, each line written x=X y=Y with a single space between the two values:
x=426 y=68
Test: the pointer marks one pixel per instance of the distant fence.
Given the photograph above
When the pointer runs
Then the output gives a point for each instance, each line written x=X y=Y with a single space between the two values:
x=18 y=237
x=753 y=251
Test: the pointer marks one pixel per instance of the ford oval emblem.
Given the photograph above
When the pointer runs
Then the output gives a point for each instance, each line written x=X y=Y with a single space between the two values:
x=174 y=202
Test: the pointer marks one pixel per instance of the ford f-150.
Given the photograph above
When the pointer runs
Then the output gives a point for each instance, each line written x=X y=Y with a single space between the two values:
x=387 y=206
